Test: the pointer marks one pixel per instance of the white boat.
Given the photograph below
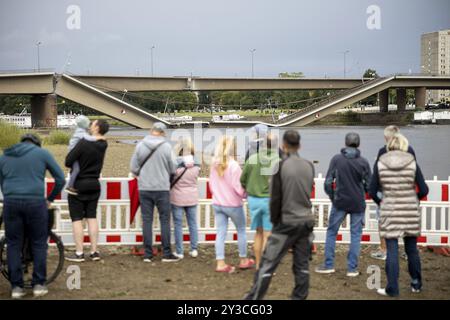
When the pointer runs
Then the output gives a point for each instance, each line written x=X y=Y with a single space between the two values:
x=227 y=117
x=177 y=118
x=23 y=120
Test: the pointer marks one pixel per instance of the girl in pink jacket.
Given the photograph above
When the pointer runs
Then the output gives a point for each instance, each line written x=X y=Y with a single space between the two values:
x=227 y=196
x=184 y=197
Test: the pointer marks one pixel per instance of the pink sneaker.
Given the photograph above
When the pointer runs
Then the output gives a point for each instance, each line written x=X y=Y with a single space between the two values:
x=250 y=264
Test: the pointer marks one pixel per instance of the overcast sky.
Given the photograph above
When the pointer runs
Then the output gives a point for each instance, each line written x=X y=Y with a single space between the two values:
x=214 y=37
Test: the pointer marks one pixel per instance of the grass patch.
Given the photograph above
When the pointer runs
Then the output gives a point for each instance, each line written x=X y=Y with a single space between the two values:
x=9 y=135
x=57 y=137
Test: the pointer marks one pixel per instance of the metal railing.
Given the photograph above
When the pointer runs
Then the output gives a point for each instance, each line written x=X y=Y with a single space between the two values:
x=115 y=226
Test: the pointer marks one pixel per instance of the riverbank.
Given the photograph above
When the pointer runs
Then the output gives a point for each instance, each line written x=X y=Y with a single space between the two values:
x=349 y=118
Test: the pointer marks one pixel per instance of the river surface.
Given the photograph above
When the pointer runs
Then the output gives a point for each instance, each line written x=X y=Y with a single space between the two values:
x=319 y=144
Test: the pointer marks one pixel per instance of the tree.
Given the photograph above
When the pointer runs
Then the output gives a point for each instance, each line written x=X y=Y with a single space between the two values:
x=370 y=73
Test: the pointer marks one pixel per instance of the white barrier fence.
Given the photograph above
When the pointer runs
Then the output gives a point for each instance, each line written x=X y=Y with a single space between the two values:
x=116 y=229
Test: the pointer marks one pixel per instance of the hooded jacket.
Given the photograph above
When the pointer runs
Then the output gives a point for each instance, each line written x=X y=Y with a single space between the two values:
x=185 y=192
x=399 y=209
x=257 y=171
x=156 y=172
x=350 y=174
x=22 y=172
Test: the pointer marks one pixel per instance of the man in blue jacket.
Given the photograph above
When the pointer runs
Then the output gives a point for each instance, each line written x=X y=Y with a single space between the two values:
x=350 y=174
x=25 y=208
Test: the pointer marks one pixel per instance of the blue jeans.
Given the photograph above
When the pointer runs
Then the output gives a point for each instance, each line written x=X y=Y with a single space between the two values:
x=356 y=225
x=237 y=215
x=160 y=199
x=191 y=217
x=392 y=268
x=26 y=218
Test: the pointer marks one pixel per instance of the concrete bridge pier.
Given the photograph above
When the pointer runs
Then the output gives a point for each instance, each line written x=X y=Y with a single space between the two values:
x=44 y=111
x=383 y=97
x=401 y=99
x=419 y=97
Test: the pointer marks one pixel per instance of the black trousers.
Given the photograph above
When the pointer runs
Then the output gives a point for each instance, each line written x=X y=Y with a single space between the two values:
x=299 y=238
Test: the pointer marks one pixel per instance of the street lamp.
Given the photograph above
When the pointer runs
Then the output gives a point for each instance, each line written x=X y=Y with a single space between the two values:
x=38 y=59
x=252 y=51
x=151 y=58
x=345 y=54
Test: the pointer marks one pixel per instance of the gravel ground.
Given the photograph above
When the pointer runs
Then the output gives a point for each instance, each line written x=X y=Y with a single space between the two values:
x=121 y=275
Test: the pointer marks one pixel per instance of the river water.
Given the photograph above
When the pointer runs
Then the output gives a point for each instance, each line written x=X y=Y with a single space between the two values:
x=319 y=144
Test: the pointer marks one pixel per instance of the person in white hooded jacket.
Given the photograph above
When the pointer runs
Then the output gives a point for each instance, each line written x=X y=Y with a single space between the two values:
x=184 y=196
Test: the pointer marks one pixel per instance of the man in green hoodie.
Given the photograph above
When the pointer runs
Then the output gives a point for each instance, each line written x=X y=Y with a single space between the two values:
x=25 y=208
x=255 y=180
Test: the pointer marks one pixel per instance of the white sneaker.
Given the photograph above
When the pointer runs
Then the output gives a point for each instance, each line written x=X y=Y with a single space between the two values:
x=147 y=260
x=193 y=253
x=382 y=292
x=352 y=273
x=415 y=290
x=18 y=293
x=39 y=290
x=179 y=256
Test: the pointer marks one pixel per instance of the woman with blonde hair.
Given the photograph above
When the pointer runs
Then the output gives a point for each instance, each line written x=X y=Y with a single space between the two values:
x=227 y=199
x=396 y=176
x=184 y=196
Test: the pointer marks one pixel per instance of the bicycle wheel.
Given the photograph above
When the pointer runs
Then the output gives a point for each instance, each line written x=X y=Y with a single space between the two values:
x=55 y=261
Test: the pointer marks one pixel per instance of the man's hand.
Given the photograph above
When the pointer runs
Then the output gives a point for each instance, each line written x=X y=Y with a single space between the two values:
x=49 y=204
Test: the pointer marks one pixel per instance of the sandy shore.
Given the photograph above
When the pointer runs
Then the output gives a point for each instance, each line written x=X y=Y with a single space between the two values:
x=117 y=159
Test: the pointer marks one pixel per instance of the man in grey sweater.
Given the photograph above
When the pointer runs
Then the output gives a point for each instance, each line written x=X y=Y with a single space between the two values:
x=292 y=218
x=153 y=164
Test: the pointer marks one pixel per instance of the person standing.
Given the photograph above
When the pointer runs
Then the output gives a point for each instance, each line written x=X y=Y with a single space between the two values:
x=25 y=208
x=184 y=197
x=396 y=176
x=292 y=218
x=153 y=164
x=389 y=132
x=227 y=196
x=255 y=180
x=81 y=132
x=90 y=156
x=346 y=184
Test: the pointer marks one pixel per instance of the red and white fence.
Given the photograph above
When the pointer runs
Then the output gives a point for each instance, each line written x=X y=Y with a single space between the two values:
x=113 y=213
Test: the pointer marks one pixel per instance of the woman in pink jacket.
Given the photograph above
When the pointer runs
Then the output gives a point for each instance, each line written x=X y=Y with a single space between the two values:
x=184 y=197
x=227 y=196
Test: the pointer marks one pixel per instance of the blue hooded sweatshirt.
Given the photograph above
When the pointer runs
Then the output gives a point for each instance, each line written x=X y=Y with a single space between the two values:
x=22 y=172
x=351 y=174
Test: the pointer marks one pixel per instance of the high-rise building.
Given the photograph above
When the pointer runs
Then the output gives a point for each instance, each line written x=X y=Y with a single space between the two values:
x=435 y=59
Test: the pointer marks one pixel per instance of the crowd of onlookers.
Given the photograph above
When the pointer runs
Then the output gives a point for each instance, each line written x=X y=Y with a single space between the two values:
x=276 y=181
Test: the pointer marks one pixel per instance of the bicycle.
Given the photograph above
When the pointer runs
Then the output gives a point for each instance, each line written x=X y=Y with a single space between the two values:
x=55 y=262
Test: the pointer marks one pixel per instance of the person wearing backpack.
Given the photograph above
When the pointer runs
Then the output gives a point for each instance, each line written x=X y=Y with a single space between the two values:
x=153 y=164
x=184 y=196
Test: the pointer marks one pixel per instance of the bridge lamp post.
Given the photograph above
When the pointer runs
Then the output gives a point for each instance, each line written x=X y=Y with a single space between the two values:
x=151 y=59
x=38 y=58
x=345 y=68
x=252 y=51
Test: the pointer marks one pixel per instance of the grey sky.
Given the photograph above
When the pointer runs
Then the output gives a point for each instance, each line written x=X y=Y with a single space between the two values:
x=213 y=38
